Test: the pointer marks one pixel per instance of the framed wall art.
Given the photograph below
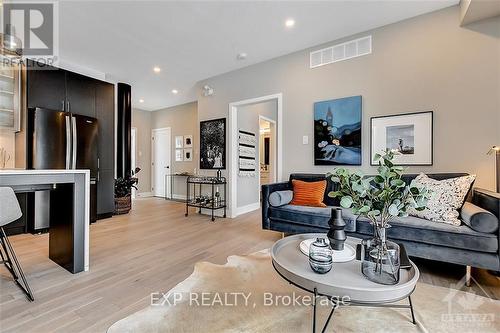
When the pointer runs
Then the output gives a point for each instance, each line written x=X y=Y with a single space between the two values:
x=188 y=155
x=188 y=141
x=213 y=144
x=178 y=155
x=411 y=134
x=337 y=131
x=179 y=141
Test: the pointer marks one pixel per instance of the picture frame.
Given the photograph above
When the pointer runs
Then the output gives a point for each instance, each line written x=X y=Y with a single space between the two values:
x=412 y=134
x=179 y=141
x=338 y=131
x=213 y=144
x=179 y=155
x=188 y=141
x=188 y=154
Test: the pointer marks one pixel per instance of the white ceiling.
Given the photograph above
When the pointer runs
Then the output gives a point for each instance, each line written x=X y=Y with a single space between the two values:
x=192 y=41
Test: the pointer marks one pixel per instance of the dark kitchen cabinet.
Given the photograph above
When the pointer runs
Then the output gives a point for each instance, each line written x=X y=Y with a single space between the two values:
x=80 y=94
x=105 y=193
x=59 y=89
x=46 y=88
x=104 y=106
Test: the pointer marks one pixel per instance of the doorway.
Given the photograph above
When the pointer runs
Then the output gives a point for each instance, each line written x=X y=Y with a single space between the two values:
x=267 y=151
x=244 y=189
x=160 y=157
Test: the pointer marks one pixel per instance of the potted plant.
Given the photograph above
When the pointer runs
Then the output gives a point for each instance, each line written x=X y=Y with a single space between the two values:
x=123 y=192
x=379 y=198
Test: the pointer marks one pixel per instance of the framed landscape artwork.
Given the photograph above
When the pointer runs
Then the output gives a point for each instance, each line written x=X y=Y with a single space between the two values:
x=410 y=134
x=213 y=144
x=337 y=131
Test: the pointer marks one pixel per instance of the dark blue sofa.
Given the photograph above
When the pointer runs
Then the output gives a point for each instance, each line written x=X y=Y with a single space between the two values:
x=421 y=238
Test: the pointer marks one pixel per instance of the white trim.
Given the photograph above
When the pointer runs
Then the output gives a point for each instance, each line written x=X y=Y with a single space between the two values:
x=153 y=131
x=133 y=141
x=233 y=139
x=144 y=194
x=247 y=209
x=179 y=196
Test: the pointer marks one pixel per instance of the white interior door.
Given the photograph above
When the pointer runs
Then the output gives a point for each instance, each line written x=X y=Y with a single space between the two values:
x=161 y=162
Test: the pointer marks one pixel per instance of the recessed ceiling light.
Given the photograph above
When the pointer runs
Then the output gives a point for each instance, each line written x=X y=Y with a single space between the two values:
x=289 y=23
x=174 y=91
x=157 y=69
x=141 y=101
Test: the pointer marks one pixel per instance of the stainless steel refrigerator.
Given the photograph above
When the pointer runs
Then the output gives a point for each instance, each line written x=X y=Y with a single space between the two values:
x=61 y=140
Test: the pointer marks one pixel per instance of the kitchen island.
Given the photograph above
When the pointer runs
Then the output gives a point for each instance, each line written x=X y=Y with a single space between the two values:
x=69 y=211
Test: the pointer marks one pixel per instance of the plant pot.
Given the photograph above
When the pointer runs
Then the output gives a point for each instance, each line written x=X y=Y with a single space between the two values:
x=123 y=205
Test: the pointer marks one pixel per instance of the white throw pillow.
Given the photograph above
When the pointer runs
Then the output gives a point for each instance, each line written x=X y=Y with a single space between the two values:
x=447 y=197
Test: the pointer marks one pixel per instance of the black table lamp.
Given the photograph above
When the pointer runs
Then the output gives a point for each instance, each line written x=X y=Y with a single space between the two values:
x=496 y=150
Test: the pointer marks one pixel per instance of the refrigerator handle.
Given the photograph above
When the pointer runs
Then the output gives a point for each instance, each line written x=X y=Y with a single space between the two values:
x=68 y=142
x=75 y=143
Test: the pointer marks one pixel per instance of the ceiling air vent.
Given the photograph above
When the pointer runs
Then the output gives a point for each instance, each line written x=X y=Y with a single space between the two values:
x=351 y=49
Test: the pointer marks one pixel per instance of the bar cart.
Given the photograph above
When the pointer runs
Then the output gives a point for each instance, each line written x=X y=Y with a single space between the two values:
x=202 y=198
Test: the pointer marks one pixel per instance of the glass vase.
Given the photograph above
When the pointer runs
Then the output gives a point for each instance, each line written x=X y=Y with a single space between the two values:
x=380 y=258
x=320 y=256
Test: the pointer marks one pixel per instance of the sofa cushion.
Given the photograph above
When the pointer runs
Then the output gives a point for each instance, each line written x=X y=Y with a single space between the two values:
x=311 y=216
x=308 y=193
x=447 y=197
x=479 y=219
x=424 y=231
x=280 y=198
x=330 y=186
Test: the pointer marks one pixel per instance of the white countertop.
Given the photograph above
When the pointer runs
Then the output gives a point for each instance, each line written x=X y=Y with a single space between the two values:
x=42 y=171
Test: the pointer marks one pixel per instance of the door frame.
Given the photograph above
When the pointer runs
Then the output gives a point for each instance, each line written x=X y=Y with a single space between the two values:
x=274 y=151
x=167 y=182
x=133 y=157
x=233 y=144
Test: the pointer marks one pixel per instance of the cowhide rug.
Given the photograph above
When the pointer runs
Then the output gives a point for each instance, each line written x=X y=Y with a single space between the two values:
x=235 y=297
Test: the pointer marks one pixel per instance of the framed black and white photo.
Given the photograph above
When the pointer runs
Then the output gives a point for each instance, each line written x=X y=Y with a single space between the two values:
x=188 y=155
x=188 y=141
x=410 y=134
x=213 y=144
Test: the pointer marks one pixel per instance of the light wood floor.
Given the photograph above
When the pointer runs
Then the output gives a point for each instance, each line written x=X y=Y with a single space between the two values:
x=150 y=250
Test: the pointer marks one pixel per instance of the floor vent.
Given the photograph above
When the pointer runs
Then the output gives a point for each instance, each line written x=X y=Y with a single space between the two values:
x=351 y=49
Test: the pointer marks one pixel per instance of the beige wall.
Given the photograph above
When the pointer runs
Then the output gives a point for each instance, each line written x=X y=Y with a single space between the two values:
x=183 y=120
x=425 y=63
x=141 y=120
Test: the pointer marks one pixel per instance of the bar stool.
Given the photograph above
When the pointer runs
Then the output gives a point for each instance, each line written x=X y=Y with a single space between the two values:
x=9 y=212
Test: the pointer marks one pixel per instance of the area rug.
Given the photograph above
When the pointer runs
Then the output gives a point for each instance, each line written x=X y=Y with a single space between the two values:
x=247 y=295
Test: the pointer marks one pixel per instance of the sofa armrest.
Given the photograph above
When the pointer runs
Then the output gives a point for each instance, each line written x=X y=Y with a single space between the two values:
x=487 y=200
x=266 y=191
x=490 y=201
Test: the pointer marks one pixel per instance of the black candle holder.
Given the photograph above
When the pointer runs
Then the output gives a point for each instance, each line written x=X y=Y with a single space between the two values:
x=336 y=234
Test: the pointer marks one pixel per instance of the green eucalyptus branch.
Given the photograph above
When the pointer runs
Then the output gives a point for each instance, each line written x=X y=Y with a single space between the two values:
x=381 y=197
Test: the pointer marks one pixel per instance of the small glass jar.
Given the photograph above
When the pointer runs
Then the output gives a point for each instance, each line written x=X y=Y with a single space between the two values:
x=320 y=256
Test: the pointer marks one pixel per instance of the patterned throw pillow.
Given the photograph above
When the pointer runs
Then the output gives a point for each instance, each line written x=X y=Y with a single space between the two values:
x=448 y=196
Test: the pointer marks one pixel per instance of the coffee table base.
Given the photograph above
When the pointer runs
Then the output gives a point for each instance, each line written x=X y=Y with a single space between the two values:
x=336 y=305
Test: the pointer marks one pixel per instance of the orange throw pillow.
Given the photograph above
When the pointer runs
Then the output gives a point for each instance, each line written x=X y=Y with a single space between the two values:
x=308 y=193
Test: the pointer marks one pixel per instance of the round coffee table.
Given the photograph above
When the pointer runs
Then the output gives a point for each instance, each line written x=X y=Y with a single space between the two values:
x=345 y=281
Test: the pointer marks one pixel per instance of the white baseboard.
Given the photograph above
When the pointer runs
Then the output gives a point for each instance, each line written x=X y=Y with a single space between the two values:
x=247 y=209
x=144 y=194
x=179 y=196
